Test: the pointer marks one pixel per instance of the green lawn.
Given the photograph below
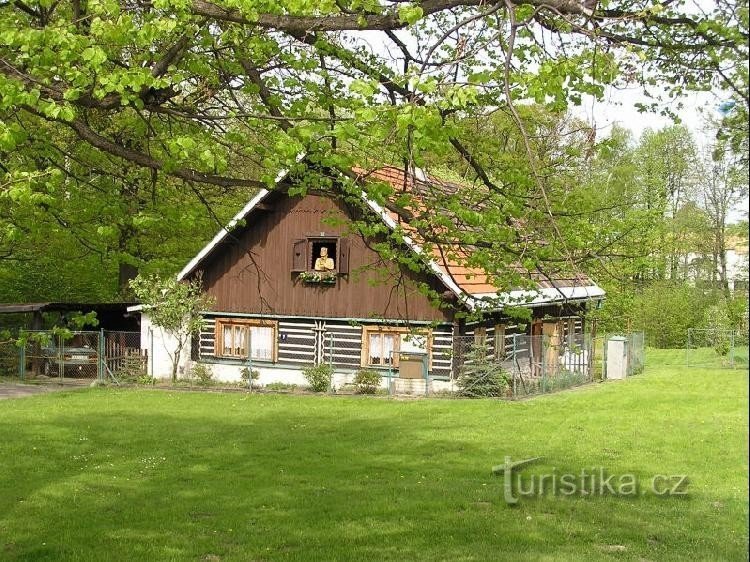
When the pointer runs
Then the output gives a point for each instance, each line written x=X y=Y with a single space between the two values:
x=106 y=474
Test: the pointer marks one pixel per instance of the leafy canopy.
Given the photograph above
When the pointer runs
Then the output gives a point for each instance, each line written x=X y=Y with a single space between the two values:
x=201 y=92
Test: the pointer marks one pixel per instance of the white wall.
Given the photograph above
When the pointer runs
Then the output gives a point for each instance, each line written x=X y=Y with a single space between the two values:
x=161 y=346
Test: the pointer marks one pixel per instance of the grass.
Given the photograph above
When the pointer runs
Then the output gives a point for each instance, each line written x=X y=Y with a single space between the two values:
x=703 y=357
x=107 y=474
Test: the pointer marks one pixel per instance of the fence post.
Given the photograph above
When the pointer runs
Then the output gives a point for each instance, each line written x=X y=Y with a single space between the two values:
x=731 y=350
x=543 y=347
x=22 y=362
x=61 y=358
x=515 y=366
x=151 y=350
x=250 y=360
x=390 y=375
x=100 y=352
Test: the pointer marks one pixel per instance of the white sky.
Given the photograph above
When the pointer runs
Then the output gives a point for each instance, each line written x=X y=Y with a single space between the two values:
x=618 y=107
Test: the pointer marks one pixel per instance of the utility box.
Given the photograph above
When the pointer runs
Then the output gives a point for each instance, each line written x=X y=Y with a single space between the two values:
x=412 y=365
x=617 y=358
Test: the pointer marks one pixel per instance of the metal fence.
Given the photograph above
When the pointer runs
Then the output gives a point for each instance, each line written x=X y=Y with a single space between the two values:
x=506 y=366
x=79 y=357
x=524 y=364
x=716 y=348
x=8 y=359
x=636 y=353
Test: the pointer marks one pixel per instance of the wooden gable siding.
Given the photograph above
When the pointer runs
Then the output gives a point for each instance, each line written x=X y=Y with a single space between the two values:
x=231 y=274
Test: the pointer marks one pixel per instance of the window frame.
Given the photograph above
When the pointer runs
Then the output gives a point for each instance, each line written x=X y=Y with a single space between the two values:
x=398 y=332
x=311 y=240
x=303 y=256
x=247 y=324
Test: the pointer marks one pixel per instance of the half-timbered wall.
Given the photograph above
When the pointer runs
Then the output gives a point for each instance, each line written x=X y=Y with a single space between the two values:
x=305 y=341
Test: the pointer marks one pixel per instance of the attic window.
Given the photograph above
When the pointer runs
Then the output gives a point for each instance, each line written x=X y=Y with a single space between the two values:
x=323 y=254
x=320 y=254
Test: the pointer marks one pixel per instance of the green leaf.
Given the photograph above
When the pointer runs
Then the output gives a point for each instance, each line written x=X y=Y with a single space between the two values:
x=410 y=13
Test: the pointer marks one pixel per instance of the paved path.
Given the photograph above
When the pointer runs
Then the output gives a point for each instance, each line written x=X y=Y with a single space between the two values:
x=21 y=390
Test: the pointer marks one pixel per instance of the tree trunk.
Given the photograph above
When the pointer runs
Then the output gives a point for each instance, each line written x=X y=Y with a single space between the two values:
x=126 y=272
x=176 y=361
x=722 y=243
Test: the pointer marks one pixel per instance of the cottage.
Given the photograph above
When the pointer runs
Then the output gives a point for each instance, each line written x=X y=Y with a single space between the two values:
x=293 y=286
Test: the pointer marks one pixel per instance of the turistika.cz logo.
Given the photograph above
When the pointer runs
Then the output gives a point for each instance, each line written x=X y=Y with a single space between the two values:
x=593 y=481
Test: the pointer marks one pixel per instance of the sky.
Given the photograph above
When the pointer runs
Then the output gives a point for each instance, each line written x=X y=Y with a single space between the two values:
x=618 y=107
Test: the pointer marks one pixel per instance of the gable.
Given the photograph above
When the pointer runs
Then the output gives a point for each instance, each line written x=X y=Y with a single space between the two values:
x=252 y=269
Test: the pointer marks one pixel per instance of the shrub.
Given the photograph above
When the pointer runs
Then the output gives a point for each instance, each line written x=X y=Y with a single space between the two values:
x=481 y=376
x=203 y=374
x=366 y=381
x=318 y=376
x=248 y=376
x=721 y=347
x=280 y=386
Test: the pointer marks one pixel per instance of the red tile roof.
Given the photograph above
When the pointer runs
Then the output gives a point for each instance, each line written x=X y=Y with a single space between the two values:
x=452 y=258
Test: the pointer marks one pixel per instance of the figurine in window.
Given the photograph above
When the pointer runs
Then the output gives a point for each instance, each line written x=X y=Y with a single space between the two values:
x=324 y=263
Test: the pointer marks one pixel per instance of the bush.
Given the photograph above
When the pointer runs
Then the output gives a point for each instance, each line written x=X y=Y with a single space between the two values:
x=248 y=376
x=318 y=376
x=722 y=347
x=203 y=374
x=280 y=386
x=366 y=381
x=481 y=376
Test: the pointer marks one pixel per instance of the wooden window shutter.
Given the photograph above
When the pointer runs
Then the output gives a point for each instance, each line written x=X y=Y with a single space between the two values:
x=343 y=265
x=299 y=255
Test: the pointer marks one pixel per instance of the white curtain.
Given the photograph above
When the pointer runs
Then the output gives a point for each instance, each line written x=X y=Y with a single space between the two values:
x=375 y=349
x=228 y=340
x=262 y=343
x=414 y=343
x=388 y=347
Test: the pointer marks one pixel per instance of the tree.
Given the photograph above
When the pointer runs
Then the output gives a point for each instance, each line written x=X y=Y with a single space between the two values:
x=200 y=91
x=77 y=227
x=724 y=184
x=175 y=307
x=668 y=159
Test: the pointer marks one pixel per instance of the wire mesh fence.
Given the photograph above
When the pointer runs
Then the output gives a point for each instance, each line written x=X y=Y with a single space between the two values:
x=636 y=353
x=60 y=355
x=506 y=366
x=523 y=365
x=9 y=354
x=79 y=357
x=716 y=348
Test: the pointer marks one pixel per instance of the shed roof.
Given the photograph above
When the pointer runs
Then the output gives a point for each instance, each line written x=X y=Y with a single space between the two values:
x=16 y=308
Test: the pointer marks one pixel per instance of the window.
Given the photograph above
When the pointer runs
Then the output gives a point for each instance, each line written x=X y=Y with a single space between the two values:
x=324 y=255
x=321 y=253
x=243 y=339
x=381 y=346
x=500 y=342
